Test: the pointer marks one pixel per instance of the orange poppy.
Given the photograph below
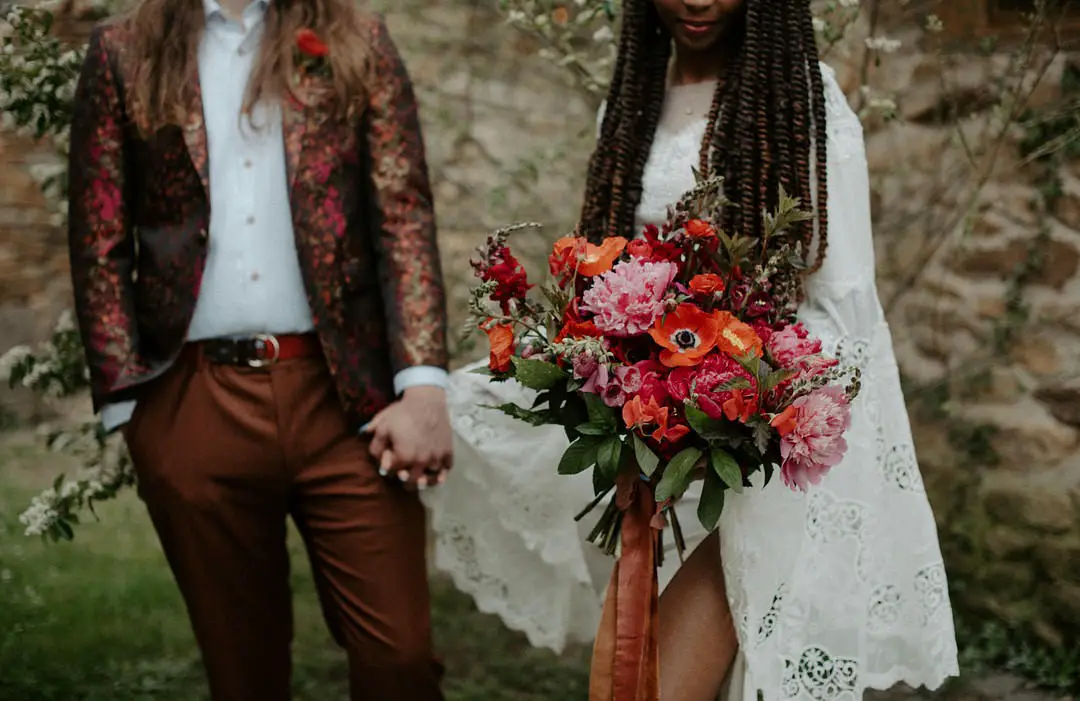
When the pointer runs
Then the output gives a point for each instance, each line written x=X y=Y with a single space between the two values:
x=736 y=338
x=589 y=259
x=700 y=229
x=707 y=284
x=740 y=406
x=637 y=415
x=501 y=341
x=784 y=422
x=686 y=335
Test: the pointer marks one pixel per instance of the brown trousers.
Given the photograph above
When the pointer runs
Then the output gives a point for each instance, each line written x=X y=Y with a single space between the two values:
x=223 y=456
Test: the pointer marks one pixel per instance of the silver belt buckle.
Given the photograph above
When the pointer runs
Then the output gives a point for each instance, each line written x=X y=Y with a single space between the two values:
x=264 y=343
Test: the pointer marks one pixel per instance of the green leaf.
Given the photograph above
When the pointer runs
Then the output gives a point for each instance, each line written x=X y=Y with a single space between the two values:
x=602 y=483
x=572 y=415
x=609 y=455
x=725 y=467
x=751 y=363
x=646 y=458
x=482 y=370
x=712 y=502
x=580 y=456
x=534 y=418
x=599 y=413
x=774 y=378
x=702 y=424
x=591 y=429
x=64 y=530
x=678 y=475
x=537 y=374
x=733 y=384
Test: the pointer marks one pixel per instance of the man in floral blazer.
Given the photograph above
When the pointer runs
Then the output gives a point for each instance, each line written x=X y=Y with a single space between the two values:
x=258 y=289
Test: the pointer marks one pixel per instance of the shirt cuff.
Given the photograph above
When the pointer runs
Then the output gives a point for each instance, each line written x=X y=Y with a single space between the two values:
x=418 y=376
x=113 y=416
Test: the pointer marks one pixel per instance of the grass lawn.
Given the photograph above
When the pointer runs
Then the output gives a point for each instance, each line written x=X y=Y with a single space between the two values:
x=100 y=619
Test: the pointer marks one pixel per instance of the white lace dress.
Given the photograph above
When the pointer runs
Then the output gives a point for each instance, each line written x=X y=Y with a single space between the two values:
x=833 y=591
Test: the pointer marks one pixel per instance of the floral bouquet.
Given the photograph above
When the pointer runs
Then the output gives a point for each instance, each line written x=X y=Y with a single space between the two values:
x=668 y=358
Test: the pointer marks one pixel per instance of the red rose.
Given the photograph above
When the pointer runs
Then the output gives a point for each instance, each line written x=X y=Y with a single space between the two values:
x=700 y=229
x=310 y=44
x=639 y=249
x=707 y=284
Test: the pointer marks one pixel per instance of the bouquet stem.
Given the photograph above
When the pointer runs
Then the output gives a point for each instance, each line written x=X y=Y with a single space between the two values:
x=626 y=660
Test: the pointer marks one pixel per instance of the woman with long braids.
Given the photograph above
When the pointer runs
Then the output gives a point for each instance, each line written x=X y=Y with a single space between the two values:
x=814 y=596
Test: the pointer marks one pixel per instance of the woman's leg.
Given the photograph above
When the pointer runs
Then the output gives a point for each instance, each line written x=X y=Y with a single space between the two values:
x=697 y=634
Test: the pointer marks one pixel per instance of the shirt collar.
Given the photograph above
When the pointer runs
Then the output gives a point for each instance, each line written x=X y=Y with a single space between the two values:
x=213 y=7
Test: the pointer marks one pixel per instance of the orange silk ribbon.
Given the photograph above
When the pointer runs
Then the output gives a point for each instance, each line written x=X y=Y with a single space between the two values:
x=626 y=660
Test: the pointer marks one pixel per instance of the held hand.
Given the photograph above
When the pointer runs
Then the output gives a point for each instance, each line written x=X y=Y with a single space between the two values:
x=411 y=438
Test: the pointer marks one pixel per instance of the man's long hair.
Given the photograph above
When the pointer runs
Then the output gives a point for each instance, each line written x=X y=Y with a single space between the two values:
x=766 y=127
x=163 y=40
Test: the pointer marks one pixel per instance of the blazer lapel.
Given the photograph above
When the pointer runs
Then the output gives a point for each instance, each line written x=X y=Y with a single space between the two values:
x=195 y=138
x=294 y=128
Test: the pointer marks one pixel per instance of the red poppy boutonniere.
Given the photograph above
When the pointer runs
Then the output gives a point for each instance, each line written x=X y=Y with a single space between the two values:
x=312 y=54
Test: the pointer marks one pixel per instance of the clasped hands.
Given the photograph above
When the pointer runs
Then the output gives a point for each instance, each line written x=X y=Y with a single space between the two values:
x=411 y=438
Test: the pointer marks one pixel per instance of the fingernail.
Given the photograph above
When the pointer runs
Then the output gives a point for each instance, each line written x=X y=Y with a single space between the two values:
x=383 y=472
x=365 y=427
x=442 y=478
x=403 y=475
x=422 y=483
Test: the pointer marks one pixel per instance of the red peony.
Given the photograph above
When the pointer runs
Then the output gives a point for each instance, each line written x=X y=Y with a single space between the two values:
x=702 y=386
x=653 y=382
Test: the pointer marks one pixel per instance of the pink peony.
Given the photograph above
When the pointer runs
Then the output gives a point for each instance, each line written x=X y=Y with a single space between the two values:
x=628 y=299
x=615 y=386
x=794 y=349
x=792 y=343
x=812 y=440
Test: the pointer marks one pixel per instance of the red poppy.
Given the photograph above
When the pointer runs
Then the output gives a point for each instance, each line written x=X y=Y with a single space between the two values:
x=686 y=335
x=310 y=44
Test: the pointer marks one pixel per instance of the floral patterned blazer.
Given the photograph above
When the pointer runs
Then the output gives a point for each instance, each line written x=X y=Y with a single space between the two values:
x=362 y=213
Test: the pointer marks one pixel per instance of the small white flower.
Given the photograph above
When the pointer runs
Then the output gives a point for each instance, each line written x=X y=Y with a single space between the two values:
x=883 y=44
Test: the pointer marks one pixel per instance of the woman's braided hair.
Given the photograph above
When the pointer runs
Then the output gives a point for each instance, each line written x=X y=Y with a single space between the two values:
x=766 y=124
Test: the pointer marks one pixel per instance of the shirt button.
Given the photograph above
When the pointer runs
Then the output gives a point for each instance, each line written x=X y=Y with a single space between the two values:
x=255 y=276
x=247 y=162
x=251 y=219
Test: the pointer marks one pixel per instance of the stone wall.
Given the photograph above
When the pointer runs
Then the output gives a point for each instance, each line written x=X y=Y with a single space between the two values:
x=997 y=423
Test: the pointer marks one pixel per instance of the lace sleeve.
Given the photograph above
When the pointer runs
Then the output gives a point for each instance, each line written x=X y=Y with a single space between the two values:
x=842 y=305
